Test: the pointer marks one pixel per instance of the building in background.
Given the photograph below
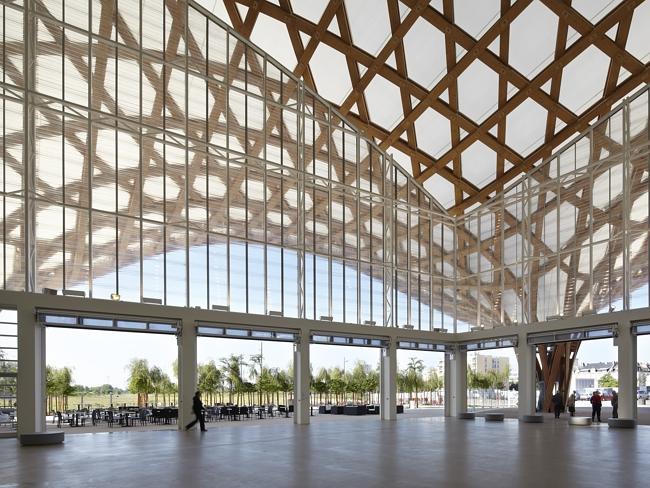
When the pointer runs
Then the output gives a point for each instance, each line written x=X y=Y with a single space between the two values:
x=589 y=376
x=485 y=363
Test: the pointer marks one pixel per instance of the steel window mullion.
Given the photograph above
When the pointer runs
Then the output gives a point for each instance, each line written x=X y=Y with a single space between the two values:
x=246 y=251
x=207 y=169
x=342 y=178
x=4 y=155
x=626 y=205
x=164 y=157
x=140 y=155
x=264 y=185
x=591 y=220
x=227 y=117
x=187 y=202
x=478 y=267
x=558 y=309
x=358 y=216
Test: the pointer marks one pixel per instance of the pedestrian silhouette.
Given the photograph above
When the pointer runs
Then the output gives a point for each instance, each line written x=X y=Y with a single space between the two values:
x=596 y=404
x=197 y=408
x=557 y=403
x=614 y=404
x=571 y=403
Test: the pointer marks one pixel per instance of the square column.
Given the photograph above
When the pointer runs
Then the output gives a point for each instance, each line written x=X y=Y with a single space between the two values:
x=301 y=380
x=627 y=370
x=527 y=380
x=31 y=389
x=456 y=382
x=449 y=356
x=388 y=382
x=186 y=340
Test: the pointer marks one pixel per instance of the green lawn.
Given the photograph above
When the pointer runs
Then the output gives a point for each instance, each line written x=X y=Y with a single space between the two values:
x=104 y=401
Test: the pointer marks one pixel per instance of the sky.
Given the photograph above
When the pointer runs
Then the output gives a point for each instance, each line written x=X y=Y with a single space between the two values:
x=98 y=357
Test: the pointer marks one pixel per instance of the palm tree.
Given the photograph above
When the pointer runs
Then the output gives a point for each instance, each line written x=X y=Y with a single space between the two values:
x=321 y=384
x=156 y=375
x=166 y=388
x=401 y=385
x=256 y=372
x=140 y=380
x=232 y=369
x=414 y=377
x=434 y=383
x=284 y=384
x=265 y=384
x=209 y=380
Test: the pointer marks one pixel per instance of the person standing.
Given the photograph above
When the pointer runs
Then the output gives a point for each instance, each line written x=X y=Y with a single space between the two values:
x=614 y=404
x=197 y=408
x=571 y=403
x=557 y=403
x=596 y=404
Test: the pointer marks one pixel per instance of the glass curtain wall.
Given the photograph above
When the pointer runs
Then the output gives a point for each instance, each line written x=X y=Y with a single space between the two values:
x=149 y=151
x=570 y=237
x=8 y=369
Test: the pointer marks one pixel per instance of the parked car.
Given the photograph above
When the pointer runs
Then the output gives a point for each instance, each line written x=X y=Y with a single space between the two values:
x=642 y=395
x=606 y=394
x=584 y=394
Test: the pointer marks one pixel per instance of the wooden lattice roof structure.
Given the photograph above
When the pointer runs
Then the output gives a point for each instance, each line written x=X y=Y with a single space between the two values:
x=466 y=95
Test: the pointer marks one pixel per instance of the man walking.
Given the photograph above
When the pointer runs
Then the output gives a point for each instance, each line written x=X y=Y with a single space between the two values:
x=596 y=404
x=197 y=408
x=614 y=404
x=557 y=403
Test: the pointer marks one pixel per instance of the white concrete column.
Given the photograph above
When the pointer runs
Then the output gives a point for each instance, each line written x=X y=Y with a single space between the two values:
x=301 y=380
x=186 y=340
x=627 y=370
x=448 y=384
x=31 y=392
x=456 y=390
x=388 y=382
x=527 y=376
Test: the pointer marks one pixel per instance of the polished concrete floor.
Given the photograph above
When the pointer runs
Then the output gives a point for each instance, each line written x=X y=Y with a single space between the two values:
x=346 y=451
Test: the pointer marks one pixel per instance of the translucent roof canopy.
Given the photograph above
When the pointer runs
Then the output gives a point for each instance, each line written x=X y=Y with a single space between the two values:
x=466 y=95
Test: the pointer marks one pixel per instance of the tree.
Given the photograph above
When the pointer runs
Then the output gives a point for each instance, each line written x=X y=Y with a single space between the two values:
x=140 y=380
x=232 y=370
x=337 y=383
x=157 y=376
x=283 y=383
x=58 y=383
x=209 y=380
x=608 y=381
x=256 y=371
x=266 y=384
x=166 y=388
x=433 y=383
x=372 y=384
x=356 y=380
x=401 y=384
x=413 y=377
x=175 y=368
x=320 y=384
